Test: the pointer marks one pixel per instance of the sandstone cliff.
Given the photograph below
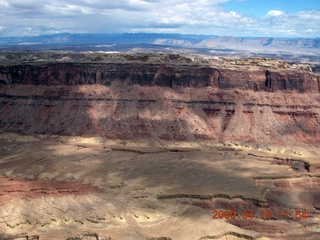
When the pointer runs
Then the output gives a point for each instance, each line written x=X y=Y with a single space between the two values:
x=249 y=74
x=162 y=97
x=118 y=146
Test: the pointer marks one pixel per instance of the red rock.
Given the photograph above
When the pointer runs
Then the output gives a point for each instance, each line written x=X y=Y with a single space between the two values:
x=14 y=188
x=262 y=100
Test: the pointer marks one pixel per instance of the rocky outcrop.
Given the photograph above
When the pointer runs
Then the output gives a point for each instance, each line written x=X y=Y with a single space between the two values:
x=268 y=80
x=162 y=97
x=110 y=74
x=168 y=71
x=139 y=146
x=78 y=188
x=159 y=75
x=12 y=188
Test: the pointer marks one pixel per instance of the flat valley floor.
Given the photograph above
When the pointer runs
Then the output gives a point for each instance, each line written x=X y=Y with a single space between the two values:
x=91 y=188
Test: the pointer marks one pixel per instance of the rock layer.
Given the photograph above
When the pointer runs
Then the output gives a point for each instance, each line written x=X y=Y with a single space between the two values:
x=78 y=188
x=161 y=97
x=257 y=74
x=116 y=146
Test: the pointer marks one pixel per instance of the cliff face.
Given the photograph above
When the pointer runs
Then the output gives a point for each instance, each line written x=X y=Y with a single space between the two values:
x=110 y=74
x=164 y=75
x=252 y=133
x=253 y=100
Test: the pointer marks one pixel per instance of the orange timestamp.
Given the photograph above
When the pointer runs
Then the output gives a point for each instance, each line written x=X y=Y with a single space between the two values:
x=264 y=214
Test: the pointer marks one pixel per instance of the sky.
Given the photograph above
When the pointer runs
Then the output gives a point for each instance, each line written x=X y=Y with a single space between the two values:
x=254 y=18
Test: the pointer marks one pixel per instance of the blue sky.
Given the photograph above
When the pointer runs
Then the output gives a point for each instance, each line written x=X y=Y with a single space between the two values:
x=259 y=8
x=267 y=18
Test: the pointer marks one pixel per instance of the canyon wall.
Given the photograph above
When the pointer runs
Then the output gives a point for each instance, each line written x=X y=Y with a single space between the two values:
x=259 y=100
x=164 y=75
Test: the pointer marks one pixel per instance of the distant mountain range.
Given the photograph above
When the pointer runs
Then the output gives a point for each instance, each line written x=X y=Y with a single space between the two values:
x=76 y=39
x=199 y=44
x=160 y=39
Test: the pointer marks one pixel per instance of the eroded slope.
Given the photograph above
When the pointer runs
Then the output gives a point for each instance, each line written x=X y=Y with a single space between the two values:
x=161 y=97
x=99 y=146
x=67 y=187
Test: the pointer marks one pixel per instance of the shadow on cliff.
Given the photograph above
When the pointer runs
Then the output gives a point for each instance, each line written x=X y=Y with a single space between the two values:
x=140 y=178
x=302 y=128
x=59 y=111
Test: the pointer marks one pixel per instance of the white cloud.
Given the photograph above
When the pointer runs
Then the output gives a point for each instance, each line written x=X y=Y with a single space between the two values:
x=31 y=17
x=275 y=13
x=4 y=3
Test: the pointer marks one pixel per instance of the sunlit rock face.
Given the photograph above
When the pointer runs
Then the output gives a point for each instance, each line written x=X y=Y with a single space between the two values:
x=170 y=71
x=161 y=96
x=156 y=146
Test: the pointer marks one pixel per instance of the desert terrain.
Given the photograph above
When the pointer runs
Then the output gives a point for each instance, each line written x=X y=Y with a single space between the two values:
x=97 y=145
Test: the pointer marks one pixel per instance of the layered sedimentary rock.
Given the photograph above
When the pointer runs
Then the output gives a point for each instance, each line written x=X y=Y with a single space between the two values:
x=131 y=146
x=78 y=188
x=162 y=97
x=252 y=74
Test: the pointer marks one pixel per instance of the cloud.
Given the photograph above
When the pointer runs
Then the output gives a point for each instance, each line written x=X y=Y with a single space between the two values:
x=275 y=13
x=284 y=24
x=33 y=17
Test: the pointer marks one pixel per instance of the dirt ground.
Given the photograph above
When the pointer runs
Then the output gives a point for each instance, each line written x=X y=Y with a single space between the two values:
x=92 y=188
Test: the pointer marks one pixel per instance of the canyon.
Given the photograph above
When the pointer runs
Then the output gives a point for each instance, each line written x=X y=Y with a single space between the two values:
x=98 y=145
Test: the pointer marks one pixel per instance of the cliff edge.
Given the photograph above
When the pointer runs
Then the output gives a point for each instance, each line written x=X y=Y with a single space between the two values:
x=159 y=96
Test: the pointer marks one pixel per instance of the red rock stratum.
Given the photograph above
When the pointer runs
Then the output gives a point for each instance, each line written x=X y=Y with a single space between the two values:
x=155 y=146
x=161 y=97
